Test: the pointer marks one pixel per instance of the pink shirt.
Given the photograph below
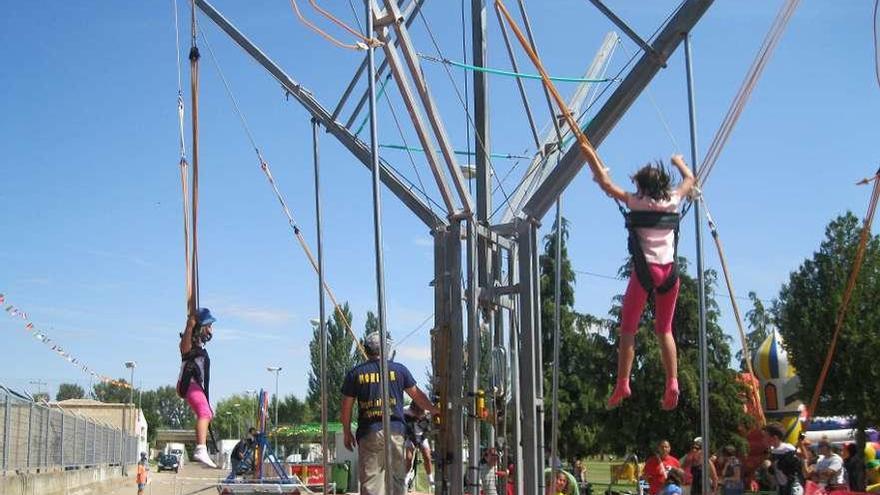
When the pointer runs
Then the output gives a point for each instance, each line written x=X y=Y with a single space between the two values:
x=658 y=244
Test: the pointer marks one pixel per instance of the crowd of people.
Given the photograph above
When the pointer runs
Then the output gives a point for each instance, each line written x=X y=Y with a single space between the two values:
x=788 y=470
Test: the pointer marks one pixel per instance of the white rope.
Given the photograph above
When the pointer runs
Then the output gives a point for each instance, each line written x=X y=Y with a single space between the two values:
x=180 y=105
x=745 y=90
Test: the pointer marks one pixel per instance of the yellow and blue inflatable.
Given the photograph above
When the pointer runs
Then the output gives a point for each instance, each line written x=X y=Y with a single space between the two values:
x=779 y=385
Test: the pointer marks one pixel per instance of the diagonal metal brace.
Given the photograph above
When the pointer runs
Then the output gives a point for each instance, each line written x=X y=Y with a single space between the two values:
x=354 y=145
x=629 y=32
x=618 y=103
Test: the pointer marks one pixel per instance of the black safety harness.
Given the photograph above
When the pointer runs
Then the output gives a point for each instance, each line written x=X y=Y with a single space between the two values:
x=651 y=220
x=191 y=371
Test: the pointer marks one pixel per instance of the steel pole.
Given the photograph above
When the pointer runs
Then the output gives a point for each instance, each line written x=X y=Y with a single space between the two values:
x=380 y=262
x=131 y=387
x=473 y=360
x=324 y=441
x=701 y=289
x=277 y=372
x=557 y=329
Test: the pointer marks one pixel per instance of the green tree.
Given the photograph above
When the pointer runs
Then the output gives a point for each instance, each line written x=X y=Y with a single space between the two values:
x=759 y=319
x=639 y=423
x=583 y=358
x=372 y=323
x=69 y=391
x=293 y=411
x=235 y=414
x=41 y=397
x=164 y=409
x=341 y=357
x=111 y=392
x=808 y=307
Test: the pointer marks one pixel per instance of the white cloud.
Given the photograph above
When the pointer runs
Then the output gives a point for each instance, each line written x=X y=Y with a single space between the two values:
x=409 y=353
x=261 y=316
x=137 y=260
x=423 y=241
x=227 y=334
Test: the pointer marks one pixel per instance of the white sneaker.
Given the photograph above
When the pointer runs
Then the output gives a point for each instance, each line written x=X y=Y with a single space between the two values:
x=201 y=455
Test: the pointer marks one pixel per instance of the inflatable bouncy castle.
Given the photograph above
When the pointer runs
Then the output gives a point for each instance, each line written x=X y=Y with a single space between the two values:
x=778 y=386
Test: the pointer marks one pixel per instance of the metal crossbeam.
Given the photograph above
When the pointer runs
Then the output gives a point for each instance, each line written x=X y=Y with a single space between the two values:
x=616 y=106
x=357 y=147
x=411 y=58
x=545 y=160
x=627 y=30
x=409 y=101
x=409 y=13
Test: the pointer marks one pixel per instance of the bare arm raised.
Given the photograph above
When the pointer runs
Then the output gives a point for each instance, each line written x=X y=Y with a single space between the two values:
x=603 y=178
x=186 y=337
x=687 y=177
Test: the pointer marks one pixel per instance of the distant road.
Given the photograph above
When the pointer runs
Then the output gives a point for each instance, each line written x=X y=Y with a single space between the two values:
x=191 y=480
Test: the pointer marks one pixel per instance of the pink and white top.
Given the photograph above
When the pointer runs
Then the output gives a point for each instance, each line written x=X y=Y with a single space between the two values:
x=658 y=244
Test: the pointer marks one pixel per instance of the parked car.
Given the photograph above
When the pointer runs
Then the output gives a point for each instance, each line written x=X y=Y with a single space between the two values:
x=170 y=462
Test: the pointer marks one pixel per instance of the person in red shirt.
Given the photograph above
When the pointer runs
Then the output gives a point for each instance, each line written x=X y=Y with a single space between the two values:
x=657 y=466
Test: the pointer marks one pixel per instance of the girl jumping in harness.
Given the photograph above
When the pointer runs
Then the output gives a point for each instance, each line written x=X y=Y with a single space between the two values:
x=195 y=375
x=652 y=222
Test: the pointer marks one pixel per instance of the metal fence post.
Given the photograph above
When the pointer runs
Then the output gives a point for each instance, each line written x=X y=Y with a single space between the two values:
x=30 y=422
x=46 y=440
x=85 y=435
x=61 y=442
x=6 y=417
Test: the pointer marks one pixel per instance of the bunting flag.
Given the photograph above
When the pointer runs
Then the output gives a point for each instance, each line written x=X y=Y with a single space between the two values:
x=29 y=326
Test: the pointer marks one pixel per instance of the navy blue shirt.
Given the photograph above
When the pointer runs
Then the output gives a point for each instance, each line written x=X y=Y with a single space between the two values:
x=362 y=383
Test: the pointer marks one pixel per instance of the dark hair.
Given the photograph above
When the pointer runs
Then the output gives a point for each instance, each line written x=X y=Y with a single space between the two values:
x=675 y=475
x=774 y=430
x=729 y=451
x=653 y=181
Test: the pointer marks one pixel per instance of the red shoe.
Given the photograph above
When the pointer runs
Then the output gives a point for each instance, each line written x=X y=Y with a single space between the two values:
x=621 y=391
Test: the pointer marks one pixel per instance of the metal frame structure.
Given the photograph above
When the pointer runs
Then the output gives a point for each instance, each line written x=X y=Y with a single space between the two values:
x=492 y=268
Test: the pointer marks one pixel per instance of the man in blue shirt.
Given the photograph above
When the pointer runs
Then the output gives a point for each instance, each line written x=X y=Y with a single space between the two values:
x=362 y=384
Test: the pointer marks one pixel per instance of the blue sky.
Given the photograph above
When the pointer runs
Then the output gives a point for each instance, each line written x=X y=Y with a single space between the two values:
x=91 y=204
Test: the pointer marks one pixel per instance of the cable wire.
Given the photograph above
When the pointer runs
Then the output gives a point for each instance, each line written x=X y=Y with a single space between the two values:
x=264 y=166
x=406 y=146
x=660 y=114
x=848 y=291
x=416 y=329
x=355 y=46
x=876 y=43
x=463 y=103
x=769 y=44
x=502 y=72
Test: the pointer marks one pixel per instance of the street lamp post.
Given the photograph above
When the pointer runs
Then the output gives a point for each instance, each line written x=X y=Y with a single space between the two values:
x=131 y=365
x=252 y=392
x=277 y=371
x=229 y=426
x=238 y=417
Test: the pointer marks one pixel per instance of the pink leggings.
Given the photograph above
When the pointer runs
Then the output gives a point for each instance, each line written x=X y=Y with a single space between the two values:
x=635 y=298
x=196 y=399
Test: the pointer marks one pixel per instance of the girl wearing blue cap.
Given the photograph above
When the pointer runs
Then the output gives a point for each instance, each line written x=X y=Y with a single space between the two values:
x=195 y=375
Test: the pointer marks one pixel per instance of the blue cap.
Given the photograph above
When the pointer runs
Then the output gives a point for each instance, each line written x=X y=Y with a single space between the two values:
x=672 y=490
x=204 y=316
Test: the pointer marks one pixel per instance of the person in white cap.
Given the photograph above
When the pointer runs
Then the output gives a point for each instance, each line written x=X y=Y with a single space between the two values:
x=693 y=464
x=363 y=384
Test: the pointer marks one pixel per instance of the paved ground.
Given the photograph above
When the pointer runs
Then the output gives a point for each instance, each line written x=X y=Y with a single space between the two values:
x=191 y=480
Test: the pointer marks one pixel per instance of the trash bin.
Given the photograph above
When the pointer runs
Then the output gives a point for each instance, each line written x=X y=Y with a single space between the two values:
x=340 y=473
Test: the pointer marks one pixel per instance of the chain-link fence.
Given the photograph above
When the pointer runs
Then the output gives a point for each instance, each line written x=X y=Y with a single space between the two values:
x=35 y=436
